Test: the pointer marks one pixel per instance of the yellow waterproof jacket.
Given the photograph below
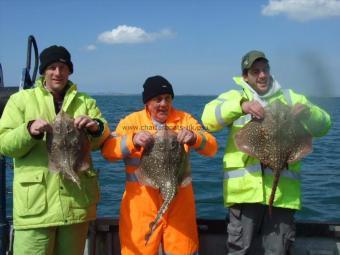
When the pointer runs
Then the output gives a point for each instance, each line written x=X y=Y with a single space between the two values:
x=42 y=198
x=243 y=179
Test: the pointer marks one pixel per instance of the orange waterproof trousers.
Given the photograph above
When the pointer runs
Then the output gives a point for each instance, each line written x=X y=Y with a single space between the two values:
x=177 y=231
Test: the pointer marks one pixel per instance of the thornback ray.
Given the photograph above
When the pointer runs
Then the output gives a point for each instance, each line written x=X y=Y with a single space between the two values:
x=276 y=141
x=164 y=166
x=68 y=148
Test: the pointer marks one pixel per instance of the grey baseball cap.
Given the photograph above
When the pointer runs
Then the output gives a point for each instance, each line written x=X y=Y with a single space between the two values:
x=249 y=58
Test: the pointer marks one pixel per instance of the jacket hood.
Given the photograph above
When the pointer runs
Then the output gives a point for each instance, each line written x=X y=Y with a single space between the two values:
x=69 y=87
x=262 y=99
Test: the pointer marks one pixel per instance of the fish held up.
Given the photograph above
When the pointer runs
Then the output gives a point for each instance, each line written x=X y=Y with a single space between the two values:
x=164 y=166
x=68 y=148
x=276 y=140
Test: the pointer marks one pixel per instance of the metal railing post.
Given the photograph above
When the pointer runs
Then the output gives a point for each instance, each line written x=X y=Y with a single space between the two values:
x=3 y=220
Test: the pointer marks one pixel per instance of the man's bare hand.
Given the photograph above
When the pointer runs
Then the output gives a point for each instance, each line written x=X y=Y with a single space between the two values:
x=39 y=126
x=186 y=136
x=143 y=139
x=253 y=108
x=86 y=122
x=301 y=111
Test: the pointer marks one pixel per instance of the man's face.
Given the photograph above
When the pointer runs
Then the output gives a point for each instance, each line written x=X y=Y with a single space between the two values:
x=258 y=76
x=56 y=76
x=159 y=107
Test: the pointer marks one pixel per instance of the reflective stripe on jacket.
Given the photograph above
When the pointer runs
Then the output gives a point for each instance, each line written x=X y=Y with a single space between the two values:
x=42 y=198
x=243 y=181
x=141 y=203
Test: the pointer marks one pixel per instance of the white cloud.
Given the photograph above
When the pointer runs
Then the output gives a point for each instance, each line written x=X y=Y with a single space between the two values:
x=303 y=10
x=127 y=34
x=91 y=47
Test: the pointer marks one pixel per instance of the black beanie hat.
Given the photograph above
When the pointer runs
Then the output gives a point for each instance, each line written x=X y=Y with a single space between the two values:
x=154 y=86
x=54 y=54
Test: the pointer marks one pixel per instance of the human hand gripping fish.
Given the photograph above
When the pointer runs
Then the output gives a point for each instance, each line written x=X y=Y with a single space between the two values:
x=186 y=136
x=38 y=127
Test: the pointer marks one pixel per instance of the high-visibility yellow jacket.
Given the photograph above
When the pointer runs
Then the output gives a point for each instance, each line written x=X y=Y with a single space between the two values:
x=42 y=198
x=243 y=180
x=141 y=203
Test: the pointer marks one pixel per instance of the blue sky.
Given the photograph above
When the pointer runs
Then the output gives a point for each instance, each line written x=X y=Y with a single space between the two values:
x=196 y=45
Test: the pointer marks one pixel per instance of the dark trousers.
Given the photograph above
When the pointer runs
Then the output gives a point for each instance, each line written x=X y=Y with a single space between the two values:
x=252 y=231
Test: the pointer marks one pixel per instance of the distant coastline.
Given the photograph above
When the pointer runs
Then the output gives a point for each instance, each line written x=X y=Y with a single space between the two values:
x=179 y=95
x=139 y=94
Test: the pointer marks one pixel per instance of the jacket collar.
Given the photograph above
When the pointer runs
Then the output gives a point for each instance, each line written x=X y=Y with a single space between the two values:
x=39 y=83
x=171 y=122
x=71 y=91
x=262 y=99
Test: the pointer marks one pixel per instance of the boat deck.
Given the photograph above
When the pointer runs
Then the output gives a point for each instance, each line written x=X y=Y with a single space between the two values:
x=312 y=238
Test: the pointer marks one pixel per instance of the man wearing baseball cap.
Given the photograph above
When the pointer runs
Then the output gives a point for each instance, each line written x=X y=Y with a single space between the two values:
x=51 y=214
x=246 y=185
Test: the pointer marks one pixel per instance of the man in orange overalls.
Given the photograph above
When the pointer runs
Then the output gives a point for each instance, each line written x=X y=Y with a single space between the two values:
x=177 y=231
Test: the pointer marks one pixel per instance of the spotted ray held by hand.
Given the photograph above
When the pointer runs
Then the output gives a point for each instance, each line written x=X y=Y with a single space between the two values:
x=164 y=166
x=276 y=140
x=68 y=148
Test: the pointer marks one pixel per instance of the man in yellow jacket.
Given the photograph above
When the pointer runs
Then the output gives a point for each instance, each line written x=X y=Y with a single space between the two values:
x=177 y=230
x=246 y=189
x=51 y=214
